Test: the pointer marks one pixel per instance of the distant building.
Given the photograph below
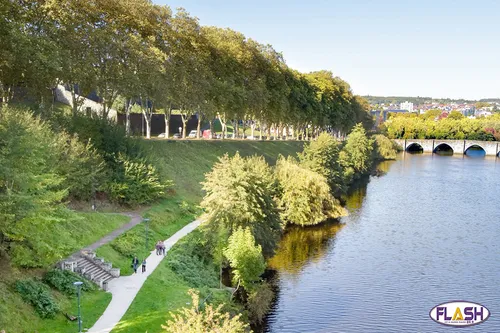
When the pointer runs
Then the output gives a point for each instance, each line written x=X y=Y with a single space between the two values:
x=408 y=106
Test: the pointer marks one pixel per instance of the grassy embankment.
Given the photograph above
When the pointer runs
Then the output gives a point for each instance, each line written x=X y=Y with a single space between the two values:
x=18 y=317
x=185 y=162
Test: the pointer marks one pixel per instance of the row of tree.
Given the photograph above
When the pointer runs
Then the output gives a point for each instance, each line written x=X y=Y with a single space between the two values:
x=432 y=125
x=135 y=53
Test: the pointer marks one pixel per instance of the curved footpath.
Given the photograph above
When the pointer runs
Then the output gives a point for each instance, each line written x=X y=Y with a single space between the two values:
x=125 y=288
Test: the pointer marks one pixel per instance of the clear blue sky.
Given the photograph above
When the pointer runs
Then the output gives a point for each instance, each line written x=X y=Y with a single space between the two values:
x=439 y=48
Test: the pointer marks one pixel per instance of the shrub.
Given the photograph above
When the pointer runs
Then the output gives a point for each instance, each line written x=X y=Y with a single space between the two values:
x=355 y=156
x=63 y=281
x=189 y=260
x=322 y=156
x=385 y=148
x=82 y=167
x=259 y=302
x=245 y=258
x=126 y=244
x=304 y=197
x=38 y=295
x=239 y=193
x=208 y=320
x=136 y=182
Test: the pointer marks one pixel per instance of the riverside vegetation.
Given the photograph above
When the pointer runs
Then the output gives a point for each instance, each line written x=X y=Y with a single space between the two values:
x=434 y=125
x=135 y=56
x=248 y=205
x=36 y=156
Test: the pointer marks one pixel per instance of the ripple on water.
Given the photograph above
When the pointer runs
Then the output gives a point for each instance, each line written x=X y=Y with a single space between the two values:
x=425 y=233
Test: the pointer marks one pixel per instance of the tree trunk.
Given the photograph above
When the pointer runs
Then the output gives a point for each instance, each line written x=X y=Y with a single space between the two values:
x=235 y=129
x=128 y=106
x=184 y=124
x=167 y=114
x=223 y=126
x=261 y=130
x=252 y=127
x=198 y=128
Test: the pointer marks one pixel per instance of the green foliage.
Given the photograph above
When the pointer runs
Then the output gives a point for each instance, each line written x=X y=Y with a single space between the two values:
x=239 y=193
x=245 y=258
x=190 y=261
x=63 y=281
x=38 y=295
x=385 y=148
x=304 y=197
x=322 y=157
x=452 y=127
x=355 y=156
x=259 y=302
x=136 y=182
x=207 y=320
x=82 y=167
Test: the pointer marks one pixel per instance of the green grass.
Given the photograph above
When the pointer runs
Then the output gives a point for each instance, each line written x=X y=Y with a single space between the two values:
x=186 y=162
x=166 y=219
x=165 y=290
x=17 y=316
x=161 y=292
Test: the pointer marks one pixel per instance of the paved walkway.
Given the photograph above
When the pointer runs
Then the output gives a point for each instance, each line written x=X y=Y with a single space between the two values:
x=125 y=288
x=135 y=219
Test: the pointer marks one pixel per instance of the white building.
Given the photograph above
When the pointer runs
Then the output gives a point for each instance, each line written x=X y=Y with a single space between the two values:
x=406 y=106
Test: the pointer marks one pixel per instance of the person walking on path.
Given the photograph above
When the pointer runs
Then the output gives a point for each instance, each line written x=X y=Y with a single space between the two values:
x=135 y=264
x=144 y=265
x=158 y=249
x=162 y=248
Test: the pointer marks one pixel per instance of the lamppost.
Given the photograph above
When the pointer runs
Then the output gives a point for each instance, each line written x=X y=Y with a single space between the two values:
x=78 y=285
x=146 y=226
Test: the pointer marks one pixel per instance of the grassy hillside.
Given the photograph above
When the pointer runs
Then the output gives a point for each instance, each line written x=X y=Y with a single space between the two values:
x=18 y=317
x=185 y=162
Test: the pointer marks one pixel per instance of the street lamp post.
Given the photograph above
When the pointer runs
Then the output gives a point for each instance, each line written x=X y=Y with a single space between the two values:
x=146 y=226
x=78 y=285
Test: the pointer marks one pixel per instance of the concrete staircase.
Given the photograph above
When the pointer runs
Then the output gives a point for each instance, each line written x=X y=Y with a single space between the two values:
x=89 y=266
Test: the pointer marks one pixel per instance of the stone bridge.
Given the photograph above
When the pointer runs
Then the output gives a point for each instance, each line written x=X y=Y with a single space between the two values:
x=492 y=148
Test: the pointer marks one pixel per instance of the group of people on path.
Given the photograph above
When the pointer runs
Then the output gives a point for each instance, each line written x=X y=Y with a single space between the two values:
x=160 y=250
x=135 y=264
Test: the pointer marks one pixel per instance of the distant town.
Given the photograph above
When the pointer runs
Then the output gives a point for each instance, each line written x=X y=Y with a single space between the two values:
x=381 y=106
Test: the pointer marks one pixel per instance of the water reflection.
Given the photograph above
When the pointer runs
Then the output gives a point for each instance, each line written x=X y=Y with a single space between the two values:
x=302 y=245
x=425 y=233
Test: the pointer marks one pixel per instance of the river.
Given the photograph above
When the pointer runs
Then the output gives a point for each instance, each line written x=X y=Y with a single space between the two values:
x=426 y=232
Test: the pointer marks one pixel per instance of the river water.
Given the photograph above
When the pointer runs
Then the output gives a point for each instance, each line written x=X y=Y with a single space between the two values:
x=425 y=233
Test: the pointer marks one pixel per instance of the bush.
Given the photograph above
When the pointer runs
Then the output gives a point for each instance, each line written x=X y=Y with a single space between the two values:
x=259 y=302
x=38 y=295
x=304 y=197
x=239 y=193
x=189 y=260
x=136 y=182
x=209 y=320
x=63 y=281
x=385 y=149
x=355 y=156
x=322 y=156
x=126 y=244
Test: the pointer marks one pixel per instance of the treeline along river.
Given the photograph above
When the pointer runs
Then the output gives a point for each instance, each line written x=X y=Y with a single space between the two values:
x=425 y=233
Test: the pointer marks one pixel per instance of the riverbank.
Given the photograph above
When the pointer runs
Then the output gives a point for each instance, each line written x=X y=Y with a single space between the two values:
x=185 y=162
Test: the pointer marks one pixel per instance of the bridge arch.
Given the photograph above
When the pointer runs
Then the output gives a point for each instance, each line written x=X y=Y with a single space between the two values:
x=443 y=148
x=475 y=151
x=414 y=147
